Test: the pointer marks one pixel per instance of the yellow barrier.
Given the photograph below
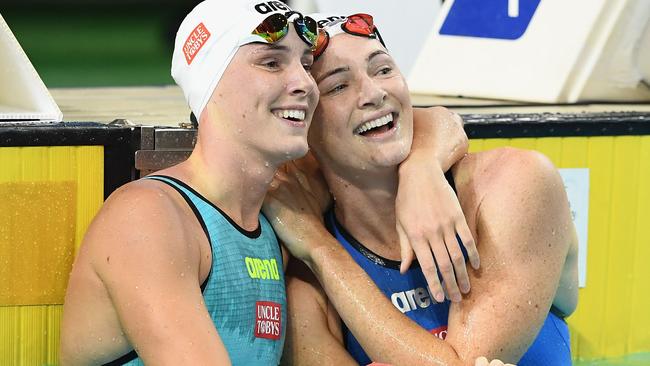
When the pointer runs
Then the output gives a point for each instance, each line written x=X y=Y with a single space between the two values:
x=48 y=196
x=613 y=315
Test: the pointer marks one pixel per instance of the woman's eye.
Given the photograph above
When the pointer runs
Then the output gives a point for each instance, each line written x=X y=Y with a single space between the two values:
x=385 y=70
x=271 y=64
x=307 y=67
x=338 y=88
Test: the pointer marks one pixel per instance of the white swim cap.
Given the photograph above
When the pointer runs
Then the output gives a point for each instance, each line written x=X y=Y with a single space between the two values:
x=329 y=22
x=207 y=40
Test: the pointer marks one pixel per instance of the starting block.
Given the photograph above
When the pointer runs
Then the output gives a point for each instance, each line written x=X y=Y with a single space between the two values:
x=545 y=51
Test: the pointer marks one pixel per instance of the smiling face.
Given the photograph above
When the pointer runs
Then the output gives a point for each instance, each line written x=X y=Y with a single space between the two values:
x=364 y=117
x=266 y=98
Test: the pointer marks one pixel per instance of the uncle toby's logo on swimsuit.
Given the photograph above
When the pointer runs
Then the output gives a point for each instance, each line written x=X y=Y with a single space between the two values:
x=268 y=320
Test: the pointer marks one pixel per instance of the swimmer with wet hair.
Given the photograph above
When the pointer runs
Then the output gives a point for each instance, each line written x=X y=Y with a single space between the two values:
x=348 y=302
x=180 y=267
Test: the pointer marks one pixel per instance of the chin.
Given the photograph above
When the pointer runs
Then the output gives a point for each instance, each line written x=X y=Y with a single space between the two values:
x=295 y=152
x=393 y=155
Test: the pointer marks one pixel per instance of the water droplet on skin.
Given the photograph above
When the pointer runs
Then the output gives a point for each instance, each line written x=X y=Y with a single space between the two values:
x=182 y=274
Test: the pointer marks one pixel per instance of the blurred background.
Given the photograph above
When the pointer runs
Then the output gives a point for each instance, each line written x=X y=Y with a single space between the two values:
x=77 y=43
x=97 y=42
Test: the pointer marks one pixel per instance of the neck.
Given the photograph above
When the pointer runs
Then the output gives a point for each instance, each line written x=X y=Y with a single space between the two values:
x=233 y=178
x=365 y=206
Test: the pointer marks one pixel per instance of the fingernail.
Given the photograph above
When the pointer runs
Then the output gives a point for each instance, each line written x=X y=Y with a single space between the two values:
x=476 y=263
x=464 y=288
x=439 y=296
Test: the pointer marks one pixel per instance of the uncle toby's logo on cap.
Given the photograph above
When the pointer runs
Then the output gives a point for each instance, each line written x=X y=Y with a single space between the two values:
x=200 y=34
x=195 y=42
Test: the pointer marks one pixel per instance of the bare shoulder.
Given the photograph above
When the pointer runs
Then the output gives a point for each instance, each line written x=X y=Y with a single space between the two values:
x=140 y=230
x=505 y=167
x=507 y=183
x=139 y=220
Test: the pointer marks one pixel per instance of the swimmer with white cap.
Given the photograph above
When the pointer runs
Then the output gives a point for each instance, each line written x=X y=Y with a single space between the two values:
x=180 y=267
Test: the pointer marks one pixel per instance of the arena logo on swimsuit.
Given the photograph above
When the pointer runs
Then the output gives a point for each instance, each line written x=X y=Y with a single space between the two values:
x=410 y=300
x=263 y=269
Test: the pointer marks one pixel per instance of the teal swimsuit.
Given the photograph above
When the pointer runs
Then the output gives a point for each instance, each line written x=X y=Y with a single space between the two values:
x=244 y=291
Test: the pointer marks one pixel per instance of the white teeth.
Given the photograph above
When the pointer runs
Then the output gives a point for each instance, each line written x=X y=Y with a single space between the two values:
x=381 y=121
x=296 y=114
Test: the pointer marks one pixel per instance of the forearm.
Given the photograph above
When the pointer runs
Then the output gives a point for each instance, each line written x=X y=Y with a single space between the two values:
x=438 y=136
x=385 y=334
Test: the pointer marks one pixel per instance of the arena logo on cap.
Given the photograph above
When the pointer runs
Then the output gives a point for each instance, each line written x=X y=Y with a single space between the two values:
x=195 y=42
x=269 y=6
x=331 y=21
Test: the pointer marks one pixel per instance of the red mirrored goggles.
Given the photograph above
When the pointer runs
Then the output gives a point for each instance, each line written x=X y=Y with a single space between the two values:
x=276 y=26
x=356 y=24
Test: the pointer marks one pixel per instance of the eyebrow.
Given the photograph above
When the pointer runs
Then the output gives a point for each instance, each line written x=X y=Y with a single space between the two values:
x=276 y=47
x=283 y=48
x=376 y=53
x=347 y=68
x=333 y=72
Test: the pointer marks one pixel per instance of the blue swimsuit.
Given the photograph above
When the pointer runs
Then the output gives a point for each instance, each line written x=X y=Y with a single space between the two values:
x=244 y=292
x=409 y=293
